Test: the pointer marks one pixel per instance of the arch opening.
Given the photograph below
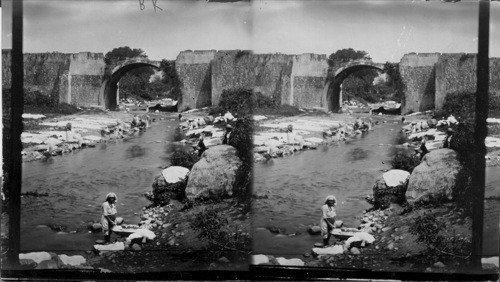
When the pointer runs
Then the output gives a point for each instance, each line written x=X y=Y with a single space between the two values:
x=110 y=88
x=334 y=91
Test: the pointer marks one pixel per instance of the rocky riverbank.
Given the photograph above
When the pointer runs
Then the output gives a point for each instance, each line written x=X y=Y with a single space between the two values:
x=383 y=241
x=46 y=137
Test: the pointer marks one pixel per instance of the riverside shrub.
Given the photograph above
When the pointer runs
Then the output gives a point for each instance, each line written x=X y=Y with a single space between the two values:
x=214 y=227
x=184 y=159
x=440 y=243
x=405 y=161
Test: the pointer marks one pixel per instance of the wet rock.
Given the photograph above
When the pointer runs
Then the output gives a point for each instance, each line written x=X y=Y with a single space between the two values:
x=47 y=264
x=28 y=263
x=95 y=227
x=319 y=245
x=314 y=230
x=435 y=177
x=213 y=176
x=277 y=230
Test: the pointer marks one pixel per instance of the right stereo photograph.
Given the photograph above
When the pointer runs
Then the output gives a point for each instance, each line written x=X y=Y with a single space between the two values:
x=366 y=151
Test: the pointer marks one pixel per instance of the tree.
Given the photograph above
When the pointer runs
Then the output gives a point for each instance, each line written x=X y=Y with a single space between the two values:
x=346 y=55
x=123 y=53
x=171 y=79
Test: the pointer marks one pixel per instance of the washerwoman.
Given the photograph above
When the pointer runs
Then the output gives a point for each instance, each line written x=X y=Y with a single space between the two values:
x=328 y=218
x=108 y=219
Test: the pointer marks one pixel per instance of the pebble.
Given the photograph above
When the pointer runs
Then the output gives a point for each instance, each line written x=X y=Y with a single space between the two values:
x=390 y=246
x=355 y=251
x=136 y=247
x=439 y=264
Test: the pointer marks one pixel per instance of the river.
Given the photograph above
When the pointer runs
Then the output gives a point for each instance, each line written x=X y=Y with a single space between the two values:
x=77 y=184
x=297 y=185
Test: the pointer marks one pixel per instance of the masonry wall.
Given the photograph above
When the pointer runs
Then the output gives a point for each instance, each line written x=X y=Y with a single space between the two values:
x=268 y=74
x=418 y=76
x=46 y=72
x=6 y=71
x=309 y=74
x=86 y=74
x=457 y=73
x=194 y=71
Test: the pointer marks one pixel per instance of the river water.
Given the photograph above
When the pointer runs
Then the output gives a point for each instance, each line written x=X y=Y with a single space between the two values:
x=77 y=184
x=297 y=185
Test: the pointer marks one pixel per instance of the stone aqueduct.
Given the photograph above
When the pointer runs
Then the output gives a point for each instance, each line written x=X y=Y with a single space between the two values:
x=301 y=80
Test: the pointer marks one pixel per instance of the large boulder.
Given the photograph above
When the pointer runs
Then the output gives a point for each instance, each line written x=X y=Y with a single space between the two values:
x=435 y=178
x=213 y=176
x=390 y=187
x=170 y=184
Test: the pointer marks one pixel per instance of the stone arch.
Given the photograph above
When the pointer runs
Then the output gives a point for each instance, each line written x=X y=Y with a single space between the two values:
x=334 y=84
x=110 y=85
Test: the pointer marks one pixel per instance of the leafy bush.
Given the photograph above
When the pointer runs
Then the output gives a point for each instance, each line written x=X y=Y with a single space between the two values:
x=184 y=159
x=237 y=101
x=439 y=242
x=39 y=99
x=213 y=227
x=405 y=161
x=162 y=194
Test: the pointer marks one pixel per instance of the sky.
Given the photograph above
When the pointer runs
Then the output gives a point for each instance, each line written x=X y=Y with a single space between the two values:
x=385 y=29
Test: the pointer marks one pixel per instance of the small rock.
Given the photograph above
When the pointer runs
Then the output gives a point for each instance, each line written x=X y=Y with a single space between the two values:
x=96 y=227
x=314 y=230
x=390 y=246
x=355 y=251
x=428 y=269
x=223 y=260
x=136 y=247
x=119 y=220
x=47 y=264
x=386 y=229
x=319 y=245
x=260 y=259
x=306 y=255
x=439 y=264
x=100 y=242
x=27 y=262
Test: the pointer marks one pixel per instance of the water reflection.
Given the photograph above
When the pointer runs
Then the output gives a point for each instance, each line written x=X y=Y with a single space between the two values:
x=135 y=151
x=357 y=154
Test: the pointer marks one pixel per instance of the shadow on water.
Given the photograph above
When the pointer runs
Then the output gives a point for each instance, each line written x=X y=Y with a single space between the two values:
x=135 y=151
x=357 y=154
